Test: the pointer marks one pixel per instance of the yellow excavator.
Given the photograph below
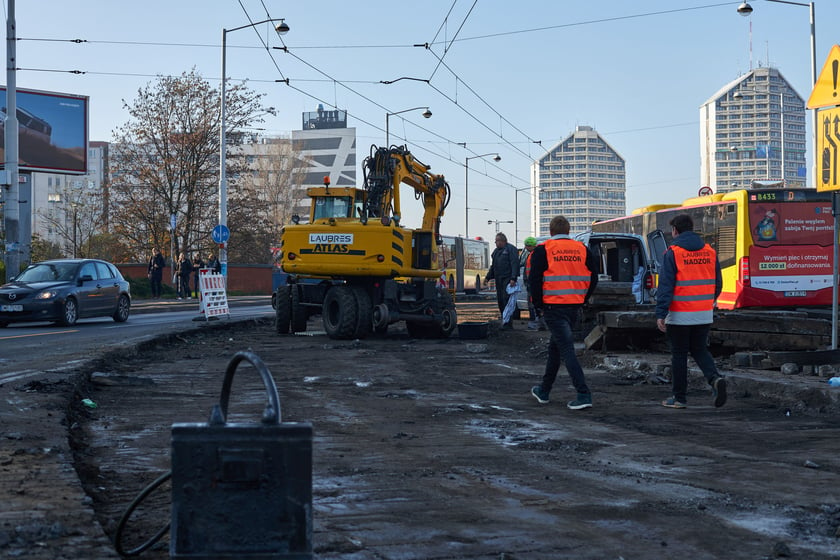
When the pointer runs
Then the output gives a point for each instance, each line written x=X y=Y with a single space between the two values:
x=356 y=265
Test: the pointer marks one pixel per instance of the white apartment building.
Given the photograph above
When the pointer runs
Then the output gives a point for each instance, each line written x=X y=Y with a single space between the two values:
x=583 y=178
x=753 y=128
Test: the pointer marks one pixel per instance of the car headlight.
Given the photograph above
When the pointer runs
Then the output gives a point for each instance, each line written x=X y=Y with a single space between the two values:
x=47 y=294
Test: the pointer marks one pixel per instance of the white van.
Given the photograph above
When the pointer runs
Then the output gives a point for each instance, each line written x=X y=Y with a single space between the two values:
x=628 y=268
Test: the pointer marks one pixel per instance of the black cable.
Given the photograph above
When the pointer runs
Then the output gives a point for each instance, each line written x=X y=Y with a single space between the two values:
x=127 y=515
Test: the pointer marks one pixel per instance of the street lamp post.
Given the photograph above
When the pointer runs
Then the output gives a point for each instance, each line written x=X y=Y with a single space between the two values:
x=745 y=9
x=426 y=114
x=516 y=213
x=497 y=158
x=282 y=28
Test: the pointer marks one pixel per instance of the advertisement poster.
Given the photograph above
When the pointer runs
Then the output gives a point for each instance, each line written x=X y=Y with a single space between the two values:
x=792 y=249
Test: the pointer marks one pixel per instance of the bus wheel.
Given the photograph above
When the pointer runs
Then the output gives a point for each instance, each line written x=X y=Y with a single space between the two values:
x=339 y=312
x=283 y=310
x=364 y=318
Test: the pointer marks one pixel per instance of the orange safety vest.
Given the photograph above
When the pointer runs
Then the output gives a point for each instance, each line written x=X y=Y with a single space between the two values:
x=566 y=280
x=694 y=289
x=528 y=263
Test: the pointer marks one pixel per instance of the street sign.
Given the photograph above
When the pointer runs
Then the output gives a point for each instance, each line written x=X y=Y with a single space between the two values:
x=826 y=92
x=828 y=149
x=705 y=191
x=220 y=234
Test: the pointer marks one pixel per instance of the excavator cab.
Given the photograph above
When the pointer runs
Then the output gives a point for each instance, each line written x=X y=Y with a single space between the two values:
x=335 y=203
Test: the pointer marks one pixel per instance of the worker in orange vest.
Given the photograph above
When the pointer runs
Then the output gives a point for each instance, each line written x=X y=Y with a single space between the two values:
x=689 y=284
x=564 y=272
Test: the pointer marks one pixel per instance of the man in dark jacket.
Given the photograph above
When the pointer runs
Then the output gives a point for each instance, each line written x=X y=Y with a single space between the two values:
x=689 y=284
x=504 y=269
x=156 y=266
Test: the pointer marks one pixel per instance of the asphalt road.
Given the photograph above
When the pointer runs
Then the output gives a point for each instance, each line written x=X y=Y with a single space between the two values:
x=427 y=449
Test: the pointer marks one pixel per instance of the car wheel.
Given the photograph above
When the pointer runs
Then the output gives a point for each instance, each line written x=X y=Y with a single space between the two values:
x=71 y=313
x=123 y=309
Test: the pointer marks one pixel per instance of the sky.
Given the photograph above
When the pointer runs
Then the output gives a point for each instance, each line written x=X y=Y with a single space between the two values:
x=501 y=77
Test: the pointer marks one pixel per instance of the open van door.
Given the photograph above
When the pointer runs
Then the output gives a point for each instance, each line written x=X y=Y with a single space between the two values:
x=658 y=246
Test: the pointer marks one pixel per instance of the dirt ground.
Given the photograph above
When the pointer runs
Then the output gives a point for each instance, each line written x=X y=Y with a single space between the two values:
x=435 y=449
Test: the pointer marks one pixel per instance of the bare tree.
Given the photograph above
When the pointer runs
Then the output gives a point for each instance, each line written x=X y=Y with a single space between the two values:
x=75 y=218
x=265 y=198
x=165 y=162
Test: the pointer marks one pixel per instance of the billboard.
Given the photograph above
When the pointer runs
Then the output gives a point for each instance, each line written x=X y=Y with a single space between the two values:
x=52 y=131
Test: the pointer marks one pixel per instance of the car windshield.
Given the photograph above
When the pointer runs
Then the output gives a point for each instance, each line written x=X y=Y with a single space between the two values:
x=48 y=272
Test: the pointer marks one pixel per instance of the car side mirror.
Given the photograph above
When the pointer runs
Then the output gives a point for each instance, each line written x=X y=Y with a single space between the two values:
x=85 y=278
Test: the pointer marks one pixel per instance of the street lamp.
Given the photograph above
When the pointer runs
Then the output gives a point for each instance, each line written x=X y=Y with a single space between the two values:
x=745 y=9
x=426 y=114
x=282 y=28
x=516 y=212
x=497 y=222
x=467 y=188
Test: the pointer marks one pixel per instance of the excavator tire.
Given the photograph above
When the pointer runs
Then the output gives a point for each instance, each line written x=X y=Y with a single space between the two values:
x=364 y=312
x=339 y=313
x=283 y=309
x=298 y=312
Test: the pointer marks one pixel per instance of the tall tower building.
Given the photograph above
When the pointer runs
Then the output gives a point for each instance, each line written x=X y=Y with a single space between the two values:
x=753 y=129
x=583 y=178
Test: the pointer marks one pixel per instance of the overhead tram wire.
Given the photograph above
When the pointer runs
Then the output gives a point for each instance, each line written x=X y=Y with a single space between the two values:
x=447 y=47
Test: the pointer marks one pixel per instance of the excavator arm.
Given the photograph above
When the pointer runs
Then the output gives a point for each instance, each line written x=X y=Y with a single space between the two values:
x=386 y=169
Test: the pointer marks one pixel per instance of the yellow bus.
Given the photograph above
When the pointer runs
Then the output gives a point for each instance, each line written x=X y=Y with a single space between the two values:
x=774 y=244
x=465 y=262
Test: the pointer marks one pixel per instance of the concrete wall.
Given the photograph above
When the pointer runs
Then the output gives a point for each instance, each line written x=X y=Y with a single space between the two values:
x=245 y=278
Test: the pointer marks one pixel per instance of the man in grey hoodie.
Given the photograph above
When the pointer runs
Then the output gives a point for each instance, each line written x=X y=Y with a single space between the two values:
x=689 y=284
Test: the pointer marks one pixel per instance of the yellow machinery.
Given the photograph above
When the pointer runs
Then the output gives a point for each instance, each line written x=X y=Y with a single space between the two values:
x=357 y=265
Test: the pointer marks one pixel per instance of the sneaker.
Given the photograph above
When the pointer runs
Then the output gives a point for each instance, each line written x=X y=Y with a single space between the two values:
x=673 y=403
x=539 y=394
x=719 y=390
x=179 y=299
x=583 y=400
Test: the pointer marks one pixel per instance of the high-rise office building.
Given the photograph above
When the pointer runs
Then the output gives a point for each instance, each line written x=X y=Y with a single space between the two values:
x=583 y=178
x=753 y=129
x=326 y=147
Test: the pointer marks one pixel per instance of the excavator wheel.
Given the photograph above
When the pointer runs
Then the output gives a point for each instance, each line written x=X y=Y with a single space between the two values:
x=298 y=312
x=283 y=309
x=339 y=313
x=364 y=312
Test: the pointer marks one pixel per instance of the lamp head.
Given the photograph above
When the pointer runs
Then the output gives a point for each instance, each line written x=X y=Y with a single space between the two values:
x=497 y=158
x=745 y=9
x=427 y=113
x=282 y=28
x=733 y=149
x=737 y=95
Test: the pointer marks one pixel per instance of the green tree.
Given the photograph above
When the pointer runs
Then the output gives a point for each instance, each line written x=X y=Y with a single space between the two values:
x=165 y=162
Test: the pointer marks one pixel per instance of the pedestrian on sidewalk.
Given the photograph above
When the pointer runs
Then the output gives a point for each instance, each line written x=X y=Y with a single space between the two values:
x=504 y=269
x=689 y=284
x=564 y=272
x=197 y=265
x=156 y=265
x=183 y=270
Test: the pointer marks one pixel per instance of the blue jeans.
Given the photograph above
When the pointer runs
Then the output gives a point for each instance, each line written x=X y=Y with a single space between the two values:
x=685 y=340
x=560 y=320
